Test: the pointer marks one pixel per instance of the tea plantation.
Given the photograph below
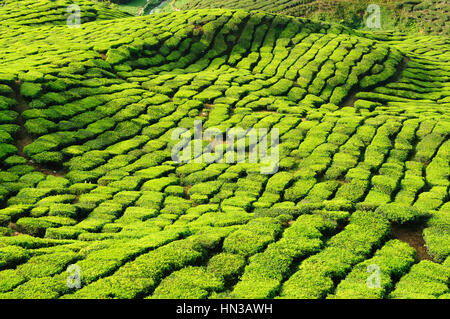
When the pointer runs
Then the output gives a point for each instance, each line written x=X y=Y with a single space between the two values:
x=86 y=121
x=429 y=16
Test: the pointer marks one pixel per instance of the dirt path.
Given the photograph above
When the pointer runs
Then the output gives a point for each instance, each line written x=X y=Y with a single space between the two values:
x=412 y=236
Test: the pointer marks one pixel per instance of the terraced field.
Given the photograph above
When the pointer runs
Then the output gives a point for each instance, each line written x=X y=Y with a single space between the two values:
x=86 y=122
x=429 y=16
x=29 y=12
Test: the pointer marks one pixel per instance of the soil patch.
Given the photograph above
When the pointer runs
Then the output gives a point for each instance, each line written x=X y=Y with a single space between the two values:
x=350 y=100
x=412 y=235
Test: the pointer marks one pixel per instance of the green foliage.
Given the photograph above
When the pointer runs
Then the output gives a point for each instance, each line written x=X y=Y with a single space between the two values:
x=11 y=256
x=188 y=283
x=226 y=265
x=426 y=280
x=392 y=260
x=38 y=226
x=262 y=277
x=153 y=266
x=9 y=279
x=313 y=278
x=46 y=265
x=30 y=90
x=253 y=237
x=401 y=214
x=437 y=234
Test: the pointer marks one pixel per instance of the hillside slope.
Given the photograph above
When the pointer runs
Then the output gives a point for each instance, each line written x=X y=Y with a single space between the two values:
x=429 y=16
x=31 y=12
x=87 y=116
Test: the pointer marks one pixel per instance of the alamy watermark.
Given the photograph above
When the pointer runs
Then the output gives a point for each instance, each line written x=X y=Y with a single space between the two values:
x=74 y=18
x=74 y=278
x=373 y=21
x=374 y=280
x=238 y=146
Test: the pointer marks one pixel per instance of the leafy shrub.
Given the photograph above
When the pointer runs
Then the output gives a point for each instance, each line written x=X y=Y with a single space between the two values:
x=46 y=265
x=226 y=265
x=262 y=277
x=38 y=226
x=9 y=279
x=10 y=256
x=437 y=235
x=401 y=214
x=394 y=259
x=253 y=237
x=427 y=280
x=313 y=279
x=189 y=282
x=30 y=90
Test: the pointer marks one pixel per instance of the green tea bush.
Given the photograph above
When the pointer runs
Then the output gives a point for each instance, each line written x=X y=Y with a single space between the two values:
x=401 y=214
x=227 y=266
x=152 y=266
x=262 y=277
x=9 y=279
x=38 y=226
x=46 y=265
x=426 y=280
x=314 y=276
x=10 y=256
x=437 y=234
x=394 y=259
x=189 y=282
x=253 y=237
